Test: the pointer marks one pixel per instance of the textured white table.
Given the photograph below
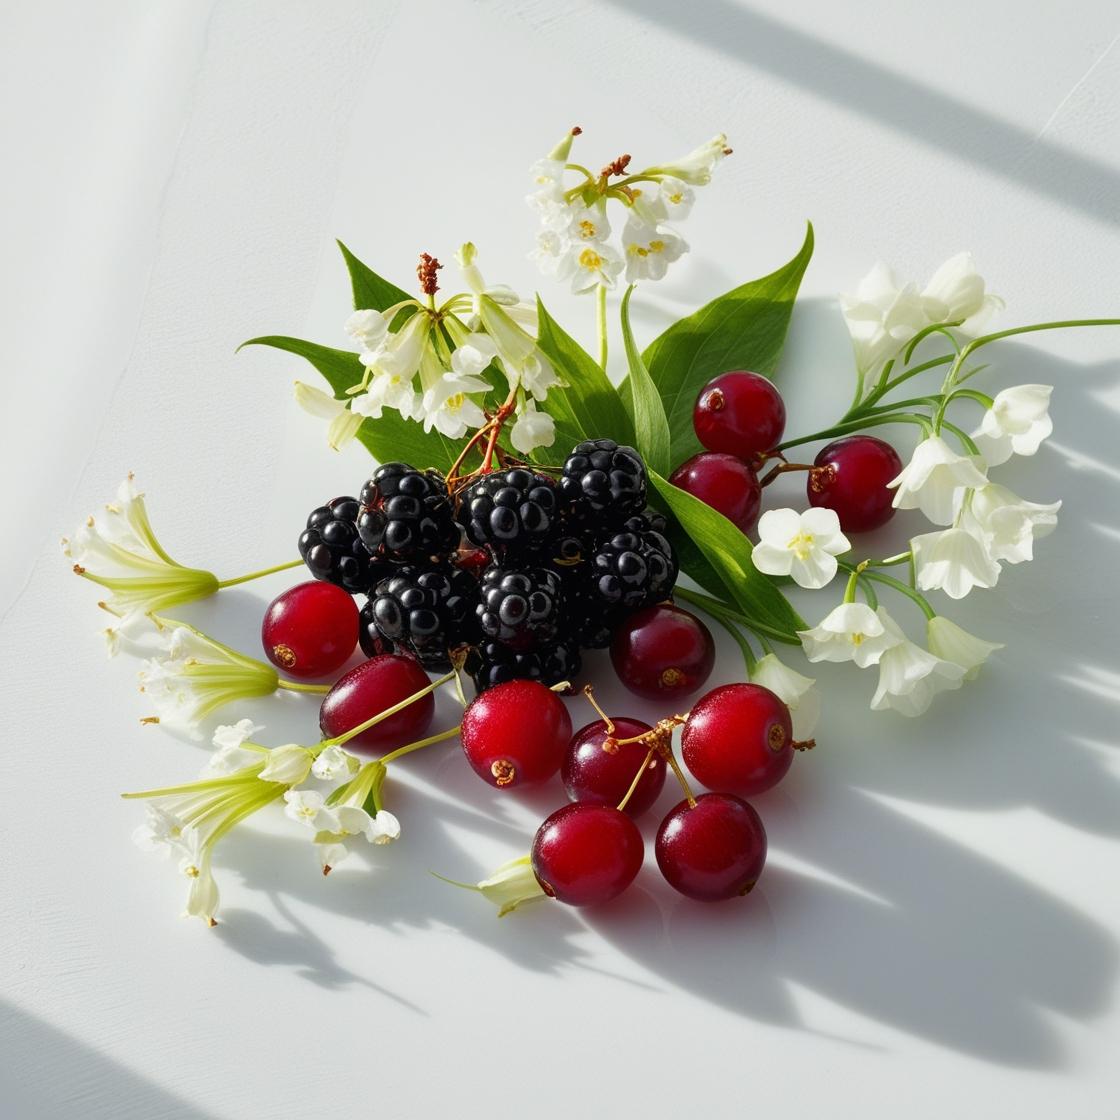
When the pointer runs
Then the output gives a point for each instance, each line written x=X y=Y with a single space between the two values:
x=937 y=931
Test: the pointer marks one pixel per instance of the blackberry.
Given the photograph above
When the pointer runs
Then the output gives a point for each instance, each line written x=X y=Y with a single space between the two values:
x=373 y=642
x=649 y=520
x=633 y=570
x=511 y=511
x=603 y=478
x=406 y=514
x=492 y=663
x=333 y=551
x=520 y=607
x=426 y=612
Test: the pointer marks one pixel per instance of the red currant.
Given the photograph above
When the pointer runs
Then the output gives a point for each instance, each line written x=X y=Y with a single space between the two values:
x=373 y=686
x=723 y=482
x=738 y=737
x=599 y=770
x=740 y=413
x=311 y=629
x=712 y=850
x=850 y=476
x=663 y=652
x=586 y=854
x=516 y=733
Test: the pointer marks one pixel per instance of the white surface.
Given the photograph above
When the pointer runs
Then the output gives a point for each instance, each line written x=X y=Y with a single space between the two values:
x=937 y=931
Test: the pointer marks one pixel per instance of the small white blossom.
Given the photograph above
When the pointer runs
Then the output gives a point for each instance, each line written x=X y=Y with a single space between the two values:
x=797 y=691
x=288 y=765
x=473 y=355
x=333 y=763
x=954 y=561
x=1016 y=424
x=388 y=390
x=343 y=424
x=882 y=318
x=590 y=266
x=649 y=250
x=948 y=641
x=802 y=545
x=676 y=198
x=850 y=632
x=957 y=292
x=698 y=165
x=202 y=895
x=532 y=429
x=1008 y=524
x=512 y=885
x=231 y=755
x=448 y=408
x=367 y=328
x=309 y=807
x=550 y=250
x=935 y=479
x=162 y=831
x=589 y=224
x=909 y=676
x=400 y=353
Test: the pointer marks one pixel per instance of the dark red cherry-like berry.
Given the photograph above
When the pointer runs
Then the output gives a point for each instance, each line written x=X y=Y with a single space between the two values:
x=850 y=476
x=738 y=737
x=600 y=770
x=723 y=482
x=740 y=413
x=587 y=854
x=712 y=850
x=373 y=686
x=663 y=652
x=516 y=733
x=311 y=629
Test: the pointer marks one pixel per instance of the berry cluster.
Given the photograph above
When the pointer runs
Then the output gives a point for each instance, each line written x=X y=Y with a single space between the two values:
x=518 y=569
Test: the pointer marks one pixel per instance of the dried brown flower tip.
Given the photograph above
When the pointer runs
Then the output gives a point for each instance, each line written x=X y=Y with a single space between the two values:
x=426 y=271
x=615 y=168
x=576 y=130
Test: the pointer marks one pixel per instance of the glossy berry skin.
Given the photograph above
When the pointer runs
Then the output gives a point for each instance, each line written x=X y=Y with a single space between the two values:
x=850 y=476
x=601 y=775
x=492 y=663
x=723 y=482
x=663 y=652
x=585 y=854
x=713 y=850
x=516 y=733
x=739 y=413
x=510 y=512
x=310 y=630
x=333 y=551
x=520 y=607
x=604 y=482
x=372 y=687
x=738 y=737
x=406 y=514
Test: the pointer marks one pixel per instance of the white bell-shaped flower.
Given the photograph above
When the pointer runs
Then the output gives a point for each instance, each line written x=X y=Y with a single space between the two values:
x=935 y=479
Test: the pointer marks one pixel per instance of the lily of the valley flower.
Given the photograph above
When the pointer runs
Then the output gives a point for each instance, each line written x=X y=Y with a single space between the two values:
x=289 y=764
x=881 y=318
x=935 y=479
x=231 y=755
x=448 y=407
x=954 y=561
x=202 y=894
x=802 y=545
x=957 y=292
x=910 y=676
x=334 y=763
x=849 y=632
x=698 y=165
x=950 y=642
x=649 y=250
x=512 y=885
x=1008 y=524
x=1016 y=424
x=118 y=550
x=367 y=328
x=532 y=429
x=343 y=422
x=797 y=691
x=590 y=266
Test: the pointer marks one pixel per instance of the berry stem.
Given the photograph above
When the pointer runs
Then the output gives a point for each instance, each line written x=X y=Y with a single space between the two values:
x=637 y=778
x=408 y=748
x=718 y=609
x=675 y=766
x=257 y=575
x=346 y=736
x=782 y=468
x=589 y=692
x=297 y=686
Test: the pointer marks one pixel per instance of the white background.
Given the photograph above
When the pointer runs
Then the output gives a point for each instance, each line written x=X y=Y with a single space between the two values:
x=937 y=930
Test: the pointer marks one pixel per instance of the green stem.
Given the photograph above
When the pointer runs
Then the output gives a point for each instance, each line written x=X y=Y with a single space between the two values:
x=297 y=686
x=748 y=654
x=400 y=752
x=601 y=323
x=721 y=610
x=885 y=387
x=902 y=589
x=846 y=427
x=1060 y=324
x=257 y=575
x=346 y=736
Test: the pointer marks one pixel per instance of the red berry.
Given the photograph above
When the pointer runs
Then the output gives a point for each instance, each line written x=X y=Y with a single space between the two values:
x=598 y=770
x=712 y=850
x=663 y=652
x=850 y=476
x=740 y=413
x=723 y=482
x=516 y=733
x=586 y=854
x=373 y=686
x=311 y=629
x=738 y=737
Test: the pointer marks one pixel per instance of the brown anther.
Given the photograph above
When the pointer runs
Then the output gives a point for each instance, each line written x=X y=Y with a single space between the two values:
x=504 y=771
x=776 y=737
x=149 y=719
x=426 y=272
x=728 y=151
x=576 y=130
x=284 y=654
x=79 y=570
x=326 y=868
x=213 y=922
x=803 y=744
x=615 y=167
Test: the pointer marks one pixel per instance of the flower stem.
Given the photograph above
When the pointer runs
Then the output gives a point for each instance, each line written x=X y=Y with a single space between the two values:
x=902 y=589
x=257 y=575
x=856 y=424
x=346 y=736
x=601 y=322
x=297 y=686
x=408 y=748
x=718 y=609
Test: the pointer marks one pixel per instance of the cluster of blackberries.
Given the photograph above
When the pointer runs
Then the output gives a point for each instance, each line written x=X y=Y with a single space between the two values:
x=522 y=569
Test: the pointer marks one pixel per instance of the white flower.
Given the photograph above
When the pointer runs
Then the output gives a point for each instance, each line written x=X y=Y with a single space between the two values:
x=512 y=885
x=138 y=633
x=343 y=424
x=935 y=479
x=384 y=829
x=954 y=561
x=850 y=632
x=367 y=328
x=697 y=166
x=388 y=390
x=802 y=545
x=402 y=352
x=676 y=199
x=550 y=250
x=118 y=550
x=202 y=896
x=882 y=317
x=536 y=375
x=649 y=250
x=590 y=266
x=532 y=429
x=289 y=765
x=1016 y=424
x=956 y=292
x=795 y=690
x=909 y=676
x=332 y=763
x=231 y=755
x=449 y=409
x=589 y=224
x=1007 y=523
x=948 y=641
x=473 y=355
x=162 y=831
x=309 y=807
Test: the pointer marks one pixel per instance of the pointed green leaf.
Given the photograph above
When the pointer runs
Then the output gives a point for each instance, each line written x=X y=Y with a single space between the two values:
x=728 y=552
x=651 y=430
x=370 y=290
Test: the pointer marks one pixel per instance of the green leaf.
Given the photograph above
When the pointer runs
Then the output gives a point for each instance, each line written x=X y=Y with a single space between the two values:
x=744 y=328
x=370 y=290
x=727 y=551
x=650 y=426
x=389 y=439
x=588 y=406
